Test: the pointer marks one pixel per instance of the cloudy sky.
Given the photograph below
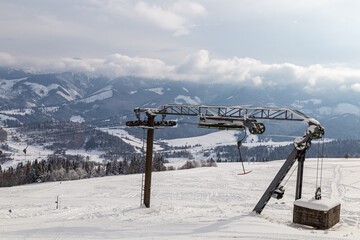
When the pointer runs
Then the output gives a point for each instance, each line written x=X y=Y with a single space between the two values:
x=258 y=42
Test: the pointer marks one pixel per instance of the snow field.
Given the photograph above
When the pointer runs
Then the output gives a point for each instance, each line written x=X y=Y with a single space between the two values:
x=221 y=138
x=200 y=203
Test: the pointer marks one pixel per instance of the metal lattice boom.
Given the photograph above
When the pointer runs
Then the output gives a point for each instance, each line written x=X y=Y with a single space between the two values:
x=232 y=112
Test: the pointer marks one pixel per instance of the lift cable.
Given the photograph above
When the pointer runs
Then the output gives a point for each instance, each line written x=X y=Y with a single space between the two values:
x=290 y=175
x=280 y=190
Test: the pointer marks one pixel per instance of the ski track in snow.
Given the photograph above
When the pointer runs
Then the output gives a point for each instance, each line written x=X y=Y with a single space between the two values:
x=201 y=203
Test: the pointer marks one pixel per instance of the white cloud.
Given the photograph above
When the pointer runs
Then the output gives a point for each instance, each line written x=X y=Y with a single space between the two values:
x=174 y=18
x=324 y=110
x=200 y=67
x=96 y=28
x=346 y=108
x=257 y=81
x=162 y=18
x=188 y=8
x=7 y=59
x=120 y=65
x=356 y=87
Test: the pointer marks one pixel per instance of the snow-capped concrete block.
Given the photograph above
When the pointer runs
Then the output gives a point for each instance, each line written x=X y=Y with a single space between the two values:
x=322 y=214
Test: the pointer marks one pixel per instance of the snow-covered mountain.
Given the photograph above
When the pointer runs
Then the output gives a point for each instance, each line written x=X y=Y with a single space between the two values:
x=32 y=97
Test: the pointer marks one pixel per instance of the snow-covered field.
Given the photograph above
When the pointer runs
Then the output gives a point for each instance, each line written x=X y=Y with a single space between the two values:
x=222 y=138
x=201 y=203
x=37 y=152
x=207 y=141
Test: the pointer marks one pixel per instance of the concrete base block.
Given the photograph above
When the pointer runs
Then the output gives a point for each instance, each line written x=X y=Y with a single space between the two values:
x=317 y=213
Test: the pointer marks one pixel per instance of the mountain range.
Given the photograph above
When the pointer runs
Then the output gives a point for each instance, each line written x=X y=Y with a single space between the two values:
x=99 y=100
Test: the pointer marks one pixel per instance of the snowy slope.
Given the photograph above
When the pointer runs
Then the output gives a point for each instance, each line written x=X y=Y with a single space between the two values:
x=207 y=141
x=201 y=203
x=129 y=139
x=221 y=138
x=17 y=142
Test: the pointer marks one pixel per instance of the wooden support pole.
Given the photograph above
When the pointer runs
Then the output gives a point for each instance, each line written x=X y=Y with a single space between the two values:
x=148 y=161
x=300 y=173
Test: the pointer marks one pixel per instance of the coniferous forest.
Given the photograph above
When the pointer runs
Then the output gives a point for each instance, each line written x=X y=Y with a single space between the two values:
x=62 y=169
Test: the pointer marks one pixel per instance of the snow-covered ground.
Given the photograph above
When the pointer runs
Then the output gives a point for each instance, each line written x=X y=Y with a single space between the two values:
x=207 y=141
x=201 y=203
x=176 y=162
x=17 y=150
x=36 y=151
x=138 y=143
x=200 y=145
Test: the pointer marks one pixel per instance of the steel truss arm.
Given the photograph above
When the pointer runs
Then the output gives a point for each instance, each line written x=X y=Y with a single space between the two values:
x=231 y=112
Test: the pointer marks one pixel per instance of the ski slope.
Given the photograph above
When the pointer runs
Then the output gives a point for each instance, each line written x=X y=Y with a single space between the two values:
x=201 y=203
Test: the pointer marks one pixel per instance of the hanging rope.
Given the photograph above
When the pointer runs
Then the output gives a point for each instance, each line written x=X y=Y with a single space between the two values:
x=317 y=165
x=318 y=186
x=242 y=163
x=322 y=159
x=239 y=143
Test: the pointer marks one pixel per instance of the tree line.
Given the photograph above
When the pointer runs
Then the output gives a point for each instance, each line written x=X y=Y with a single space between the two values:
x=62 y=169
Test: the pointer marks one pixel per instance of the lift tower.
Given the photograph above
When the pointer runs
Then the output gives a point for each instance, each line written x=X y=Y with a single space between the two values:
x=222 y=117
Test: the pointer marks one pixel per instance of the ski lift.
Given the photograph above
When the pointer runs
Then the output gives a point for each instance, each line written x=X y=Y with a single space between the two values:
x=239 y=143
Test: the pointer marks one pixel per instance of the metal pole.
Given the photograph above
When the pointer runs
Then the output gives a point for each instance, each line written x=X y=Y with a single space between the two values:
x=57 y=202
x=300 y=172
x=148 y=161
